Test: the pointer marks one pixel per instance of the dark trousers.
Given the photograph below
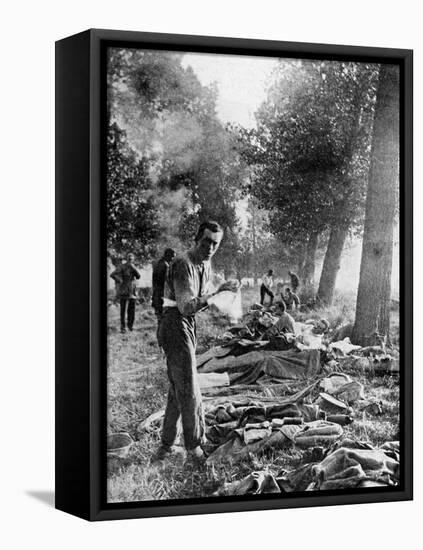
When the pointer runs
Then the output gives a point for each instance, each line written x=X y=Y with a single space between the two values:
x=159 y=318
x=157 y=303
x=127 y=309
x=263 y=292
x=178 y=338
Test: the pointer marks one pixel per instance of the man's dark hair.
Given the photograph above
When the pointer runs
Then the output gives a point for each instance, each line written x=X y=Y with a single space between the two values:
x=288 y=290
x=281 y=305
x=270 y=272
x=169 y=253
x=211 y=225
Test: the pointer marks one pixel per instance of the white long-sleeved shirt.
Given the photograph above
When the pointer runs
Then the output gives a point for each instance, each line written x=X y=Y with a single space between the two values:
x=267 y=280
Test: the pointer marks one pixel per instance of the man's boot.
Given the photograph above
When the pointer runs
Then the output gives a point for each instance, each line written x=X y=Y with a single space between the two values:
x=163 y=452
x=196 y=457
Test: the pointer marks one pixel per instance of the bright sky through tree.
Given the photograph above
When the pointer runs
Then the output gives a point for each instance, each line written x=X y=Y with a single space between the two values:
x=241 y=82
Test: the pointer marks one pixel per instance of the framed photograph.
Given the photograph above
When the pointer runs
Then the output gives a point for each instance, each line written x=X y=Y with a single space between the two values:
x=233 y=274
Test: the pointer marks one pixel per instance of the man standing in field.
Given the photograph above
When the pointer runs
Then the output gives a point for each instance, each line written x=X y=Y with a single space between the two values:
x=126 y=291
x=160 y=269
x=187 y=291
x=266 y=286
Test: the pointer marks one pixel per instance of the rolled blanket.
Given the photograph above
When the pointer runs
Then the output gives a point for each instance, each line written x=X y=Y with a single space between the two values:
x=318 y=433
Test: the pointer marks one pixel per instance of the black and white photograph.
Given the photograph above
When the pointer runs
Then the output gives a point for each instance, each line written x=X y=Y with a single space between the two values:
x=210 y=239
x=253 y=275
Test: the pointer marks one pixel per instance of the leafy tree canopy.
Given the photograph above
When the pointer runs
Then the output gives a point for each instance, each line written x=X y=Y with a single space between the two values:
x=310 y=151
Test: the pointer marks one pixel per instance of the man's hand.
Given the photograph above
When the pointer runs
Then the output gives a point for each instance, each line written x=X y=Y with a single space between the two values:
x=231 y=286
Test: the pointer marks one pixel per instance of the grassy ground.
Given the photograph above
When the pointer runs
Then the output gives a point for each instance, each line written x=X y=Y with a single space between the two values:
x=137 y=387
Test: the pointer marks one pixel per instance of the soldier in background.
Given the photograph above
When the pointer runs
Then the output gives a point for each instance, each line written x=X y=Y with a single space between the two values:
x=124 y=276
x=295 y=282
x=266 y=285
x=291 y=299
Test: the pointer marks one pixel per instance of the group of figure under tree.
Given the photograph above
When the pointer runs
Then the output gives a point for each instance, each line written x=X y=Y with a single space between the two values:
x=126 y=274
x=289 y=297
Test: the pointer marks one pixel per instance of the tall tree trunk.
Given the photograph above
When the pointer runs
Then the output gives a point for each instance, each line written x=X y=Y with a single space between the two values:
x=310 y=260
x=331 y=265
x=301 y=260
x=253 y=220
x=338 y=235
x=374 y=289
x=385 y=306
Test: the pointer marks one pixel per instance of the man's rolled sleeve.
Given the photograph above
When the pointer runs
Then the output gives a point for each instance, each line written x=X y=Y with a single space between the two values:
x=186 y=299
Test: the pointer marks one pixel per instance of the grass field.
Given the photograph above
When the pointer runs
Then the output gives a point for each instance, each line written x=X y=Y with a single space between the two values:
x=137 y=387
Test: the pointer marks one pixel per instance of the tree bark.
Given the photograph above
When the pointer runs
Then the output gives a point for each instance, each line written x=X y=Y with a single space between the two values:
x=310 y=260
x=374 y=290
x=300 y=260
x=385 y=306
x=331 y=265
x=338 y=235
x=254 y=246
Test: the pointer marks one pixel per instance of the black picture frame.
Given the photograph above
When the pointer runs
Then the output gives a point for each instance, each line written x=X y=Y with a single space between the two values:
x=81 y=285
